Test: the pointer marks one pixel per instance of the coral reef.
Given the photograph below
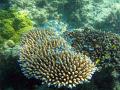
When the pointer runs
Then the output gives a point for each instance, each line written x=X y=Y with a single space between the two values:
x=77 y=13
x=58 y=26
x=10 y=73
x=102 y=48
x=39 y=10
x=13 y=24
x=110 y=71
x=112 y=20
x=47 y=56
x=62 y=16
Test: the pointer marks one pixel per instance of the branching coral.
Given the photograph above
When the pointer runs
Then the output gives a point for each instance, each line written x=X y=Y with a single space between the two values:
x=102 y=47
x=46 y=56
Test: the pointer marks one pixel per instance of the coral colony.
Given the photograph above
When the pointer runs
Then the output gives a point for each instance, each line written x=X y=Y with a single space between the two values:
x=46 y=56
x=102 y=47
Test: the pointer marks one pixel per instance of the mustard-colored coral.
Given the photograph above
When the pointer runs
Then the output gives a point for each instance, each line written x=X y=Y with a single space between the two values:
x=13 y=24
x=48 y=57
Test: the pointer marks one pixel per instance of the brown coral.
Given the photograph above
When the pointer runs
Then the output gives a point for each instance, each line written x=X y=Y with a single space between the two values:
x=102 y=47
x=46 y=56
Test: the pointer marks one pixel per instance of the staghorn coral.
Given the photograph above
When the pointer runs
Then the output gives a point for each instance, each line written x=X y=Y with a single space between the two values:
x=48 y=57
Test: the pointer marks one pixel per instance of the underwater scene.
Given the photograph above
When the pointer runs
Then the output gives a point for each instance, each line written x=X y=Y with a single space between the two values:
x=59 y=44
